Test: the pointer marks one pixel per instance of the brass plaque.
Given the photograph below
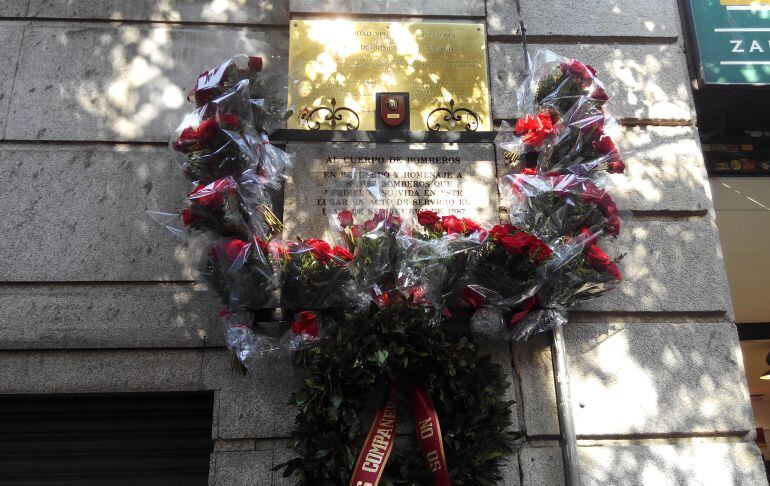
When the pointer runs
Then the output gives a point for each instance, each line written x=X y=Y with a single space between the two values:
x=337 y=66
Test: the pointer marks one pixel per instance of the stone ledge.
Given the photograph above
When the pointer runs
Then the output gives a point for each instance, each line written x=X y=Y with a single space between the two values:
x=104 y=371
x=687 y=464
x=114 y=316
x=469 y=8
x=649 y=81
x=122 y=83
x=241 y=468
x=273 y=12
x=668 y=379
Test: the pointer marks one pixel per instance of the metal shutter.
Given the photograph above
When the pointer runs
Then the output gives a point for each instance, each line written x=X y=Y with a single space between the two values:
x=134 y=439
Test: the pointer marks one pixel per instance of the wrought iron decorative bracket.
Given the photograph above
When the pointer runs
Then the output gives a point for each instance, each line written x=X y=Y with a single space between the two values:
x=452 y=117
x=333 y=116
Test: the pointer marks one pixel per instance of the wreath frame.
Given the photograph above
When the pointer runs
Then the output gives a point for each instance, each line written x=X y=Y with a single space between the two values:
x=395 y=343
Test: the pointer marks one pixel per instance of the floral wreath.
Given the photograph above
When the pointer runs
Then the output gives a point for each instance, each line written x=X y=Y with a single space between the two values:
x=393 y=281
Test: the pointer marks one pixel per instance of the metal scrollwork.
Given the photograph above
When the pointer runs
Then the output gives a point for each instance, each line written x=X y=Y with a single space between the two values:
x=452 y=117
x=332 y=117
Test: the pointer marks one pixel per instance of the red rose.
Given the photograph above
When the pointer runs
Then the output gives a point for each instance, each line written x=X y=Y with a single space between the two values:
x=342 y=253
x=320 y=249
x=582 y=72
x=231 y=249
x=612 y=225
x=616 y=166
x=538 y=251
x=382 y=300
x=227 y=121
x=255 y=63
x=370 y=225
x=452 y=224
x=355 y=230
x=426 y=218
x=188 y=217
x=417 y=294
x=600 y=261
x=473 y=297
x=346 y=218
x=604 y=145
x=522 y=310
x=212 y=195
x=592 y=192
x=470 y=226
x=380 y=216
x=516 y=244
x=307 y=324
x=599 y=94
x=529 y=171
x=499 y=231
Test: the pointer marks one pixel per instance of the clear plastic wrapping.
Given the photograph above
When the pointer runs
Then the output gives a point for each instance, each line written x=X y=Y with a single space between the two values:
x=245 y=274
x=317 y=276
x=505 y=269
x=551 y=206
x=264 y=95
x=556 y=82
x=219 y=138
x=579 y=144
x=250 y=342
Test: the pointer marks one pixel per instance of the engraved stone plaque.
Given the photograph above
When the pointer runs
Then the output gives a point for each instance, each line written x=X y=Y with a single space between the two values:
x=336 y=67
x=448 y=178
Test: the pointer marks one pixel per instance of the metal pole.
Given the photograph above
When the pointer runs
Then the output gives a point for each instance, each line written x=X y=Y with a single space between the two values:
x=569 y=450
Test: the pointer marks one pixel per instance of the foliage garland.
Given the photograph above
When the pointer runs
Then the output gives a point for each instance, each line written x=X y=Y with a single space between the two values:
x=394 y=344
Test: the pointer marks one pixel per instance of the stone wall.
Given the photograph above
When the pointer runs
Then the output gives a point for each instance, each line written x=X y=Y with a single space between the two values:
x=95 y=298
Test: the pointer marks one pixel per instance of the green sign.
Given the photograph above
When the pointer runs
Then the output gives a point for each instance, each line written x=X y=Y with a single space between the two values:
x=733 y=39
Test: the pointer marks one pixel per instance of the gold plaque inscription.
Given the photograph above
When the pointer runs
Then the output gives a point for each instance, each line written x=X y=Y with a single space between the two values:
x=336 y=67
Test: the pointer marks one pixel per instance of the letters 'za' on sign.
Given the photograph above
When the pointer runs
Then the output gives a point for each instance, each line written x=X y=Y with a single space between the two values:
x=337 y=67
x=733 y=40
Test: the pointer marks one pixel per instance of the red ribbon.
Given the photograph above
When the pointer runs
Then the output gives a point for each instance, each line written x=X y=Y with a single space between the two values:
x=429 y=435
x=382 y=435
x=377 y=446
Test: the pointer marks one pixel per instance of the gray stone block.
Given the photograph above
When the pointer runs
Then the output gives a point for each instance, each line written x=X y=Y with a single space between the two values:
x=108 y=82
x=114 y=316
x=83 y=210
x=470 y=8
x=600 y=18
x=104 y=371
x=280 y=456
x=11 y=35
x=668 y=267
x=534 y=368
x=501 y=354
x=649 y=81
x=541 y=465
x=13 y=8
x=272 y=12
x=247 y=468
x=502 y=18
x=664 y=170
x=639 y=379
x=701 y=463
x=255 y=405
